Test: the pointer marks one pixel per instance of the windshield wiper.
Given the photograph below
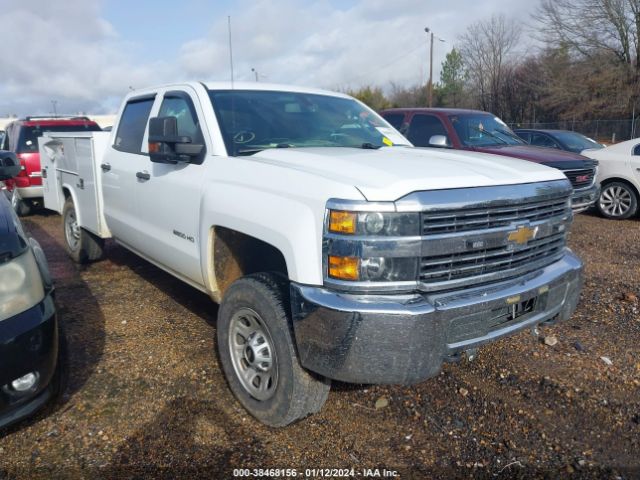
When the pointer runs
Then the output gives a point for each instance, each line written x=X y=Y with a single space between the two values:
x=248 y=151
x=370 y=146
x=492 y=135
x=512 y=135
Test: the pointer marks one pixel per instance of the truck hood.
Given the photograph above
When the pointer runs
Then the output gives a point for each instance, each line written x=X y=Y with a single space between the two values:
x=390 y=173
x=547 y=156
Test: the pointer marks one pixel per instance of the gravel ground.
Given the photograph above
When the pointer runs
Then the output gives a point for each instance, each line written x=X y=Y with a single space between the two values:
x=146 y=396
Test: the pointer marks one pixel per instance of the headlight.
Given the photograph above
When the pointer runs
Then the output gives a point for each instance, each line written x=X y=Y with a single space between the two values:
x=372 y=249
x=372 y=269
x=389 y=224
x=20 y=285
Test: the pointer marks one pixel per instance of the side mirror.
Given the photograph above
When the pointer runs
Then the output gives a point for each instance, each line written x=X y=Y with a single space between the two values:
x=9 y=165
x=166 y=146
x=439 y=141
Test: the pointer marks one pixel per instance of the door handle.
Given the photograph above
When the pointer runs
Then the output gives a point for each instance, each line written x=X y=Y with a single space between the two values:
x=143 y=175
x=105 y=167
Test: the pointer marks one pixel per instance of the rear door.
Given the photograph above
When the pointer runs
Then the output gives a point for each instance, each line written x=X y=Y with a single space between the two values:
x=123 y=158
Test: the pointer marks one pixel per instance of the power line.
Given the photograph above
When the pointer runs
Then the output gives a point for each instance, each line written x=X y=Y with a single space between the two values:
x=382 y=67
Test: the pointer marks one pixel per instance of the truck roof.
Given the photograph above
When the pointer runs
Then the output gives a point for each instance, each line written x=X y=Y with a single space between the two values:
x=227 y=85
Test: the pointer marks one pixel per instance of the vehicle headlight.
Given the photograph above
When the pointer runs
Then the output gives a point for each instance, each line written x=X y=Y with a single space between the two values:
x=372 y=249
x=390 y=224
x=20 y=285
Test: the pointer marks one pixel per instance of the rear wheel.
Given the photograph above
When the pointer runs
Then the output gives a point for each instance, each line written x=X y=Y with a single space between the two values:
x=82 y=246
x=258 y=354
x=22 y=207
x=618 y=200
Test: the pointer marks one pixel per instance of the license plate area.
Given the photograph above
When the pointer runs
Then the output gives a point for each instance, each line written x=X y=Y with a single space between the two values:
x=522 y=308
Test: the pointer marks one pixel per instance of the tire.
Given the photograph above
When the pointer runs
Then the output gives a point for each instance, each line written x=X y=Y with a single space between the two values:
x=21 y=207
x=254 y=317
x=60 y=378
x=82 y=246
x=618 y=200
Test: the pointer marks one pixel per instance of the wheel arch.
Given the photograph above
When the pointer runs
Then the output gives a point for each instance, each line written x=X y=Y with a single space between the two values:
x=232 y=254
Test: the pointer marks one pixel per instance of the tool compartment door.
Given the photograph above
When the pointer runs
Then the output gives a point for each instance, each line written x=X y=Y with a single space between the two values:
x=50 y=152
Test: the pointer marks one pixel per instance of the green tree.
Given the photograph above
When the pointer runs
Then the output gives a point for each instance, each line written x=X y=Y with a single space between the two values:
x=452 y=79
x=372 y=96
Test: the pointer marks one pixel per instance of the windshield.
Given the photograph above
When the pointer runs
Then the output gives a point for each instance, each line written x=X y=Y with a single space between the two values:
x=28 y=141
x=483 y=130
x=576 y=142
x=254 y=120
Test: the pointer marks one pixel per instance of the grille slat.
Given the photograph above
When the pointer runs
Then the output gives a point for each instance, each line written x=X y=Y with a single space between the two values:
x=486 y=262
x=461 y=221
x=465 y=265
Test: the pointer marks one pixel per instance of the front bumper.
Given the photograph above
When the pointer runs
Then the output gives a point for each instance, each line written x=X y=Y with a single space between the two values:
x=403 y=339
x=28 y=343
x=584 y=198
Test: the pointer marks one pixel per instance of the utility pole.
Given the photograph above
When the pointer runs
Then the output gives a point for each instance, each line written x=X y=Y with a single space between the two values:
x=428 y=30
x=430 y=87
x=55 y=111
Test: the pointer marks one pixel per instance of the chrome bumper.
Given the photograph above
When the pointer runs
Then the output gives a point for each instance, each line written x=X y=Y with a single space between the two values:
x=403 y=339
x=30 y=192
x=584 y=198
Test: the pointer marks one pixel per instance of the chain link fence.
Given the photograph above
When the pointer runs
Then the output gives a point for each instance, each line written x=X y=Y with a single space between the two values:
x=605 y=131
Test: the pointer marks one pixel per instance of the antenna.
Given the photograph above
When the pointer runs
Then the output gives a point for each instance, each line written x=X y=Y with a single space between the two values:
x=230 y=49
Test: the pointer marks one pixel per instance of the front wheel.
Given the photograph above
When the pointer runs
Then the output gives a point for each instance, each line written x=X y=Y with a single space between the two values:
x=617 y=201
x=82 y=246
x=258 y=354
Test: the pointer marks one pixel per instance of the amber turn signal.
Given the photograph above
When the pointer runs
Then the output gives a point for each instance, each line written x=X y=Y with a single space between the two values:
x=342 y=222
x=344 y=268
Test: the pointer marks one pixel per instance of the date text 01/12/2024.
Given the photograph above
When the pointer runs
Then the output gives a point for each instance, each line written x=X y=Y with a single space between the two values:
x=315 y=473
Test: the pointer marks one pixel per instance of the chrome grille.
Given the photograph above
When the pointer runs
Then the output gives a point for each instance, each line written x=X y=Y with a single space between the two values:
x=580 y=178
x=537 y=253
x=468 y=219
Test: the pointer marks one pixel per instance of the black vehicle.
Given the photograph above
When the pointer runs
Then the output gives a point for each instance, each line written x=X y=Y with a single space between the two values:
x=561 y=139
x=31 y=369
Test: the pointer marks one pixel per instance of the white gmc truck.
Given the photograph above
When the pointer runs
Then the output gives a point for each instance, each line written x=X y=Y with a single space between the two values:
x=335 y=249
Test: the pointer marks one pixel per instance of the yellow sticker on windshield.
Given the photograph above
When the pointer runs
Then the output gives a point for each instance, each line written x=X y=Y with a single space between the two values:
x=386 y=141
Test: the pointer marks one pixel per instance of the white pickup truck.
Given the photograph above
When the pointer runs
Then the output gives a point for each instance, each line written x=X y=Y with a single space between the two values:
x=335 y=249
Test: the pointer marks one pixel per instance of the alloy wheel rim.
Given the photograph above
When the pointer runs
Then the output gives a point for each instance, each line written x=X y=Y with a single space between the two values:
x=615 y=200
x=252 y=354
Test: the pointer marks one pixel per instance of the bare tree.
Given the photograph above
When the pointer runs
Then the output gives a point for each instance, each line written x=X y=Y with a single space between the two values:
x=486 y=48
x=591 y=27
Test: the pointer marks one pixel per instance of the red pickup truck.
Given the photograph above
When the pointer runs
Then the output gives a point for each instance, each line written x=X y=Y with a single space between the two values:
x=21 y=137
x=484 y=132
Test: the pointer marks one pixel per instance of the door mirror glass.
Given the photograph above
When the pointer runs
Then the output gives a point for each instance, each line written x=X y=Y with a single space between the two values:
x=166 y=146
x=9 y=165
x=439 y=141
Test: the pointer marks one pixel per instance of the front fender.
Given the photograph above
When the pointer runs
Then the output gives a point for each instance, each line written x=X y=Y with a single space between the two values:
x=291 y=221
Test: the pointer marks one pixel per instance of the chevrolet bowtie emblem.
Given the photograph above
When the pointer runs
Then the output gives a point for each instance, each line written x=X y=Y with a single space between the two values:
x=522 y=234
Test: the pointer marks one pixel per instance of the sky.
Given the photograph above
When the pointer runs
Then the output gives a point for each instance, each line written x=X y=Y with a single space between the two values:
x=85 y=55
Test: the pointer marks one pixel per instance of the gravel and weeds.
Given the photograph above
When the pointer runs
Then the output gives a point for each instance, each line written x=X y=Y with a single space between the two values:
x=146 y=396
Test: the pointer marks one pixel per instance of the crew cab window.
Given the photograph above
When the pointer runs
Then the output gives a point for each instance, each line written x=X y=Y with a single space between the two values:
x=540 y=140
x=132 y=126
x=423 y=127
x=395 y=119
